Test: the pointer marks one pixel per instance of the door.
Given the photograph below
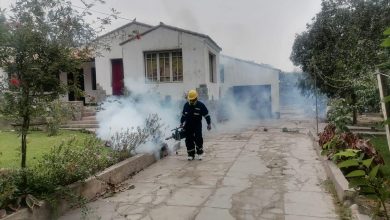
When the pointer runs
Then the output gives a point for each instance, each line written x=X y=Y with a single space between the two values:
x=117 y=77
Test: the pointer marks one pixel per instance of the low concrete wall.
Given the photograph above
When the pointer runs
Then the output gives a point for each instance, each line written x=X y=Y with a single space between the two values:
x=343 y=192
x=91 y=188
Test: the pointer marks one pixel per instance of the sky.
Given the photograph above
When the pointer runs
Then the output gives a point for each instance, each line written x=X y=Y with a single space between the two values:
x=262 y=31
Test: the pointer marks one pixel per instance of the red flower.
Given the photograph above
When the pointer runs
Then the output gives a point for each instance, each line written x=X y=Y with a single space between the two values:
x=15 y=82
x=138 y=36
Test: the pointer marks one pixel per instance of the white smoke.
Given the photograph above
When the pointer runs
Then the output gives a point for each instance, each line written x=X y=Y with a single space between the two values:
x=131 y=111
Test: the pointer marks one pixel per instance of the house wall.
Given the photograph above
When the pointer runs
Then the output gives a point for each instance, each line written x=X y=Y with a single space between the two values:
x=214 y=88
x=195 y=61
x=64 y=80
x=3 y=75
x=89 y=93
x=240 y=73
x=103 y=61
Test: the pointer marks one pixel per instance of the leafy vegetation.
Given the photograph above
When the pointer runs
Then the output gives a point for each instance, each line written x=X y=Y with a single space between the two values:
x=72 y=160
x=380 y=143
x=340 y=50
x=39 y=40
x=340 y=114
x=67 y=163
x=129 y=139
x=39 y=144
x=57 y=113
x=360 y=162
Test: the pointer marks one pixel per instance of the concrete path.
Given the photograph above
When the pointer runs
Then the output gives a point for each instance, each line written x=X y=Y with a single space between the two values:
x=252 y=174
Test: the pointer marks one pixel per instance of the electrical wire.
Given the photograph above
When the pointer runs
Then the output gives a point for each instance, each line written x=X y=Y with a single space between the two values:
x=331 y=85
x=104 y=13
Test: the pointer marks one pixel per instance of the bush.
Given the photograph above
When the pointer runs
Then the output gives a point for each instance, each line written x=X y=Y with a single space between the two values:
x=128 y=140
x=340 y=114
x=8 y=189
x=68 y=163
x=360 y=163
x=57 y=113
x=332 y=143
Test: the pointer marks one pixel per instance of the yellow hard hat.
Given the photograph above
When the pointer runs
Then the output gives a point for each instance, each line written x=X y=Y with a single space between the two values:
x=192 y=95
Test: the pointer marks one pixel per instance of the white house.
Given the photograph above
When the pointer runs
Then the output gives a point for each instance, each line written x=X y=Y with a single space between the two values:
x=174 y=60
x=171 y=59
x=97 y=81
x=251 y=82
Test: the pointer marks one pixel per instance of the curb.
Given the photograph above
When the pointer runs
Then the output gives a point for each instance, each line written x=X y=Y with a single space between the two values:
x=90 y=188
x=343 y=192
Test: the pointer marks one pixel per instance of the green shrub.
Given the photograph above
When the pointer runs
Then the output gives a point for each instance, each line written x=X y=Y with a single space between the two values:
x=57 y=113
x=65 y=164
x=8 y=189
x=340 y=114
x=128 y=140
x=68 y=163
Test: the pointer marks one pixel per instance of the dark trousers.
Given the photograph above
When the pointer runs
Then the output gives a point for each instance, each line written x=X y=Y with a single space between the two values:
x=194 y=138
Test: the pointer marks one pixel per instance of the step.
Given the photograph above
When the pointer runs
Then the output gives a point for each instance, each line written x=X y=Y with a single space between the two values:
x=83 y=122
x=89 y=110
x=89 y=118
x=361 y=128
x=92 y=130
x=80 y=126
x=370 y=132
x=86 y=114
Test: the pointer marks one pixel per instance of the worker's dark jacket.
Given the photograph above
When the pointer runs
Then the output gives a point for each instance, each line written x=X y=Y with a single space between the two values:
x=192 y=115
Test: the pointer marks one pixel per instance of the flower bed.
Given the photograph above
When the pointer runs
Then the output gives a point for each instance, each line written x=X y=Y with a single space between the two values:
x=359 y=162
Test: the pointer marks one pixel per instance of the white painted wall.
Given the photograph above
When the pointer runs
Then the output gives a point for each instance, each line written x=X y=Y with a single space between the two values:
x=2 y=74
x=89 y=93
x=64 y=80
x=3 y=78
x=240 y=73
x=103 y=61
x=214 y=91
x=195 y=60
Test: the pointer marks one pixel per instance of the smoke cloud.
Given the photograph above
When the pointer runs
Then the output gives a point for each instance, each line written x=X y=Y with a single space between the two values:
x=131 y=111
x=236 y=110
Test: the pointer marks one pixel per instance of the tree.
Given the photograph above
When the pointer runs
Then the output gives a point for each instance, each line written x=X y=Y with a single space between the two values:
x=39 y=40
x=341 y=49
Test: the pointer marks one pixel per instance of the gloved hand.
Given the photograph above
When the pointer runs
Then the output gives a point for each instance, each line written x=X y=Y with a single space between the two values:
x=209 y=127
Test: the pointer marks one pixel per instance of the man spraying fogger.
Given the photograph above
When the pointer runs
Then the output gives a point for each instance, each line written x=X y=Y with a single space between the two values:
x=191 y=121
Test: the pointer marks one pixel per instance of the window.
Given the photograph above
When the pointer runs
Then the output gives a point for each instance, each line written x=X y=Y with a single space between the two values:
x=212 y=68
x=165 y=74
x=177 y=66
x=93 y=78
x=151 y=66
x=222 y=73
x=164 y=66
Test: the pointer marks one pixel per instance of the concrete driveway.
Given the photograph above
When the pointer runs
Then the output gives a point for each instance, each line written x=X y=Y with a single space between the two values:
x=247 y=174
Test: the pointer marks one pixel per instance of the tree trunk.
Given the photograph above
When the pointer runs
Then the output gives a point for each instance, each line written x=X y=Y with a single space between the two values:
x=354 y=111
x=25 y=127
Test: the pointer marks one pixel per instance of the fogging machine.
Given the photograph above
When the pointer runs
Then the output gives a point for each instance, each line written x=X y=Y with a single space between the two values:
x=177 y=134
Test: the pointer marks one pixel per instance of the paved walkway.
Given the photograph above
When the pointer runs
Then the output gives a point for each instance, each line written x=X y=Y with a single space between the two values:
x=253 y=174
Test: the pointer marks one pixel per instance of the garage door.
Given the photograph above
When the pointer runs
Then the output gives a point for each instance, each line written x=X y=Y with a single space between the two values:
x=256 y=99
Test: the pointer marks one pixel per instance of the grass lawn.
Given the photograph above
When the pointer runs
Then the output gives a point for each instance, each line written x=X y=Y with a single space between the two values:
x=37 y=143
x=380 y=143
